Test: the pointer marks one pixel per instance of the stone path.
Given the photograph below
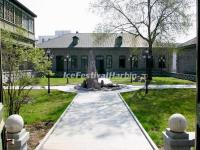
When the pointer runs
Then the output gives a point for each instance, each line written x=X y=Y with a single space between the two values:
x=99 y=121
x=96 y=121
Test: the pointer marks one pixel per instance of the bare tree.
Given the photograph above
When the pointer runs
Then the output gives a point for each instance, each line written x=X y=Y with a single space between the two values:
x=152 y=20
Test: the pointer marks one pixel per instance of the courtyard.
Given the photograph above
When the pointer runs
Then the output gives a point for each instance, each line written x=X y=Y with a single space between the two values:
x=44 y=110
x=117 y=75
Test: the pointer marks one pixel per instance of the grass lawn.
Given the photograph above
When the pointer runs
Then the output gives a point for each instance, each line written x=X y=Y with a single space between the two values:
x=42 y=112
x=59 y=81
x=118 y=80
x=154 y=109
x=44 y=107
x=156 y=80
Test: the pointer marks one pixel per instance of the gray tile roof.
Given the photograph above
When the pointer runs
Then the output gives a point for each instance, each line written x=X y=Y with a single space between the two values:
x=94 y=40
x=101 y=40
x=190 y=42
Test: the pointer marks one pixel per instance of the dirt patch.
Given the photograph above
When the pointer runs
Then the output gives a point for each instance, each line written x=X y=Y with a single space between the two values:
x=37 y=132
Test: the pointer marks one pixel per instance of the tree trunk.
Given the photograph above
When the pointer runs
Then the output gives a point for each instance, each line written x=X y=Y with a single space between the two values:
x=149 y=60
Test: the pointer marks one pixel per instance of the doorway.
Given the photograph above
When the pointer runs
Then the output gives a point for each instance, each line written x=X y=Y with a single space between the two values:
x=59 y=63
x=100 y=64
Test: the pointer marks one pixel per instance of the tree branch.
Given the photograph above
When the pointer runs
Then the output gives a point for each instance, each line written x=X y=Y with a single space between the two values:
x=161 y=19
x=128 y=19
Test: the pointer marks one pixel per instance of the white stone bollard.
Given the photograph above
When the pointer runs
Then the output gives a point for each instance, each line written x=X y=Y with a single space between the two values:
x=17 y=136
x=175 y=137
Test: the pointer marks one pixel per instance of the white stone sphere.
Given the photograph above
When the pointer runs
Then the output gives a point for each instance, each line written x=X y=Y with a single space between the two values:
x=14 y=123
x=177 y=123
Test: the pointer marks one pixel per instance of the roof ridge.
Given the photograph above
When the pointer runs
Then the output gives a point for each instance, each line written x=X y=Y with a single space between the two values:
x=89 y=40
x=192 y=41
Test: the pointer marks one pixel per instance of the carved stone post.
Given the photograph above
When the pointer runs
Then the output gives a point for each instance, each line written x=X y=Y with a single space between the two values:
x=175 y=137
x=17 y=136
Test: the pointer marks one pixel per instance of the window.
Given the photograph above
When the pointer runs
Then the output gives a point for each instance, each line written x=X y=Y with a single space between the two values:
x=161 y=62
x=122 y=61
x=1 y=8
x=25 y=23
x=74 y=62
x=108 y=61
x=9 y=12
x=84 y=62
x=30 y=28
x=18 y=17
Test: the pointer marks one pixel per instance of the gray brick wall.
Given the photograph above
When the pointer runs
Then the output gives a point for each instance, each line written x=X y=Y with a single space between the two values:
x=186 y=60
x=115 y=53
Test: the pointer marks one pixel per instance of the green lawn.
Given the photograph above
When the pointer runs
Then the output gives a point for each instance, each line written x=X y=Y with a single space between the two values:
x=44 y=107
x=118 y=80
x=59 y=81
x=170 y=80
x=154 y=109
x=156 y=80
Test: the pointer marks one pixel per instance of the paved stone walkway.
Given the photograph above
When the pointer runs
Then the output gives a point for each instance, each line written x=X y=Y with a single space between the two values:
x=96 y=121
x=99 y=121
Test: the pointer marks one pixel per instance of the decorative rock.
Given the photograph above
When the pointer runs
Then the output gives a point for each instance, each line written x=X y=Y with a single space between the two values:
x=177 y=123
x=142 y=79
x=105 y=81
x=137 y=79
x=14 y=124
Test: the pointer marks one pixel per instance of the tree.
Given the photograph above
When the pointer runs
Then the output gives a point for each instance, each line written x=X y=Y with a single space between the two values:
x=16 y=58
x=151 y=20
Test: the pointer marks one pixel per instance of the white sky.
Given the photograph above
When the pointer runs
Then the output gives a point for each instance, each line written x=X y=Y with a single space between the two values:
x=70 y=15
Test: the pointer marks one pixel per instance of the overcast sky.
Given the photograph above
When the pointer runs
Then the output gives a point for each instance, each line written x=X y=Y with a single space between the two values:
x=70 y=15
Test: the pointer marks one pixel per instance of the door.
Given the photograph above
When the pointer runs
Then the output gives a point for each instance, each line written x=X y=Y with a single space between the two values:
x=59 y=63
x=100 y=64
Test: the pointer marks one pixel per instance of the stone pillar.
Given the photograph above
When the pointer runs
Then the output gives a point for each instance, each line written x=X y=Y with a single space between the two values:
x=175 y=137
x=17 y=136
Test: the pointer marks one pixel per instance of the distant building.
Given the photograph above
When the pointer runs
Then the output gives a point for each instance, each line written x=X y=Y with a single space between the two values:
x=187 y=57
x=45 y=38
x=42 y=39
x=61 y=32
x=112 y=53
x=13 y=16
